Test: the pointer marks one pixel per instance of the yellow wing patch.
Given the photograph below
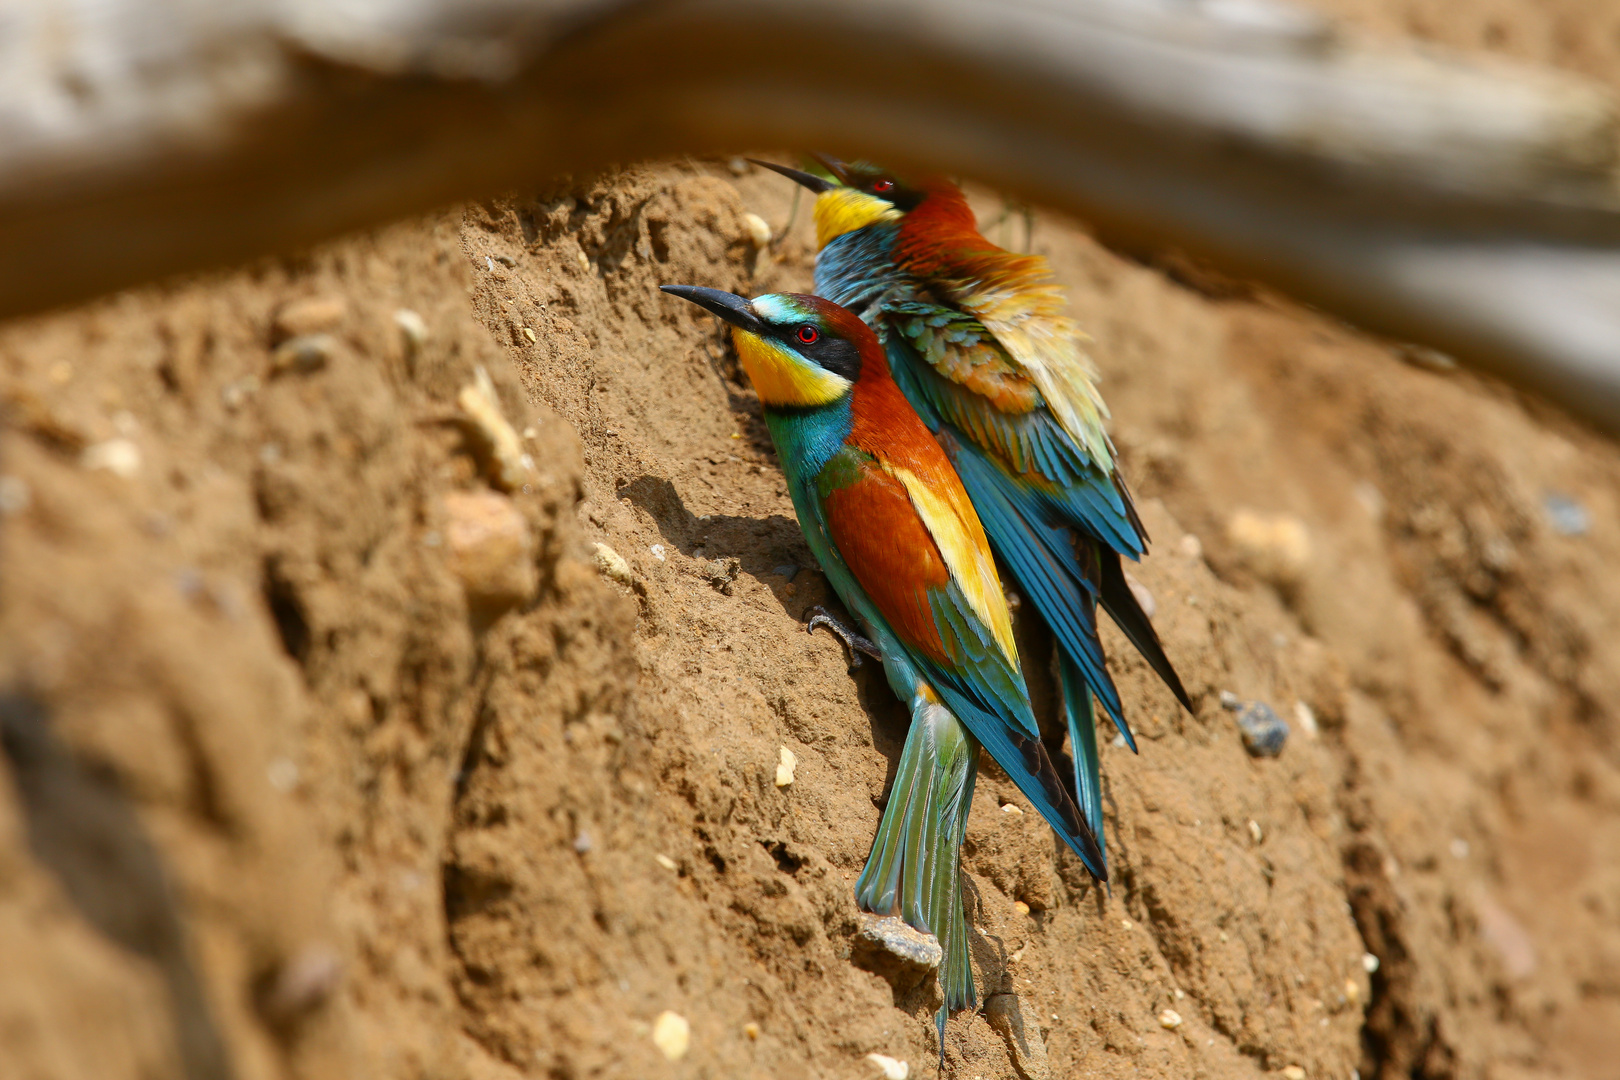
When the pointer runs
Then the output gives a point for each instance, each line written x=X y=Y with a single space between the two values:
x=843 y=209
x=1026 y=316
x=962 y=543
x=782 y=377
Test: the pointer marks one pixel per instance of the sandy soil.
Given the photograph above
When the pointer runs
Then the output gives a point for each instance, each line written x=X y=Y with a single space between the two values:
x=288 y=798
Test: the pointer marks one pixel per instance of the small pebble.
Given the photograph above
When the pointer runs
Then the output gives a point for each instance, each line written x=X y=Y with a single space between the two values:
x=785 y=765
x=1352 y=991
x=657 y=552
x=311 y=315
x=501 y=449
x=583 y=843
x=890 y=1068
x=1567 y=516
x=412 y=330
x=1170 y=1019
x=15 y=495
x=303 y=354
x=304 y=982
x=1369 y=963
x=1144 y=598
x=665 y=861
x=759 y=231
x=233 y=395
x=1307 y=719
x=1127 y=924
x=895 y=951
x=1275 y=547
x=528 y=332
x=751 y=1030
x=489 y=547
x=1191 y=546
x=1020 y=907
x=1433 y=360
x=1231 y=701
x=1011 y=809
x=738 y=166
x=121 y=457
x=506 y=260
x=1264 y=732
x=1293 y=1072
x=672 y=1035
x=282 y=774
x=584 y=260
x=1255 y=832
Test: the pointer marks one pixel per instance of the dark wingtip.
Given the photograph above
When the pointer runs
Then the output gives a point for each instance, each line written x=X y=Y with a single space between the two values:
x=1121 y=604
x=803 y=179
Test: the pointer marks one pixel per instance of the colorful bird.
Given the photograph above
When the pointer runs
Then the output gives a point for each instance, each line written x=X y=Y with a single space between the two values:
x=977 y=340
x=898 y=539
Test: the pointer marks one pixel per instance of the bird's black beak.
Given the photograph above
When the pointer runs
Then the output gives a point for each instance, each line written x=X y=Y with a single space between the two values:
x=804 y=179
x=729 y=306
x=834 y=166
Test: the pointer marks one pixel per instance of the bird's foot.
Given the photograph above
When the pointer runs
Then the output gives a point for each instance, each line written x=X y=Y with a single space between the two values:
x=855 y=643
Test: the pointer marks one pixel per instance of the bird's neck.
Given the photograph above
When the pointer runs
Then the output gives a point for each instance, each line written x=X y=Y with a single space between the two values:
x=806 y=438
x=857 y=269
x=939 y=231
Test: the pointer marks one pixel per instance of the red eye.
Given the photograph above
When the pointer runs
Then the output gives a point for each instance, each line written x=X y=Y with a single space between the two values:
x=809 y=335
x=880 y=186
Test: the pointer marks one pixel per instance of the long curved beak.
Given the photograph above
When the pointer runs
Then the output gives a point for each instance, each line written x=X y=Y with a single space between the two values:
x=804 y=179
x=729 y=306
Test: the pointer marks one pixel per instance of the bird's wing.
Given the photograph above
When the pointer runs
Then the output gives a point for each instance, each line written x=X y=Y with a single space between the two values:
x=1016 y=299
x=952 y=364
x=911 y=549
x=901 y=526
x=1056 y=568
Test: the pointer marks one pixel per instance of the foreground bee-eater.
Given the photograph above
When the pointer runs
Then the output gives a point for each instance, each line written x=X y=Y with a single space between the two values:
x=889 y=522
x=977 y=340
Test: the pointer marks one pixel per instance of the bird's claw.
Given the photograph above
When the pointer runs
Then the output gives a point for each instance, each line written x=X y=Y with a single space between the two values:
x=855 y=643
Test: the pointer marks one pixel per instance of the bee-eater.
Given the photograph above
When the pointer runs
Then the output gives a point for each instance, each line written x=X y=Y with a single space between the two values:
x=893 y=529
x=977 y=340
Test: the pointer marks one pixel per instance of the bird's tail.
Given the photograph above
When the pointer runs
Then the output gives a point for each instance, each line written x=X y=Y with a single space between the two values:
x=914 y=870
x=1077 y=710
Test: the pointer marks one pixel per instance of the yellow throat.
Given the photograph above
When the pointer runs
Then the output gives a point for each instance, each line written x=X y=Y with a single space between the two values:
x=782 y=377
x=844 y=209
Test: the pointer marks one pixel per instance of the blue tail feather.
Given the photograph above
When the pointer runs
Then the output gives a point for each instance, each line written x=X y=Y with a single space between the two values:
x=1083 y=745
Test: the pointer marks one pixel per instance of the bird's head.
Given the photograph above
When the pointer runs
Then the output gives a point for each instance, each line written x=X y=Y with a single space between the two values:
x=860 y=195
x=799 y=351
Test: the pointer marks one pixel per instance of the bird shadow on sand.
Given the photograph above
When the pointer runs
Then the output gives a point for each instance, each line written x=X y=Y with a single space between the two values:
x=772 y=551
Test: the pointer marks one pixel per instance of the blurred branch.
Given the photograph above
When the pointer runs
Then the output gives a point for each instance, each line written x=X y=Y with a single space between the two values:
x=1472 y=206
